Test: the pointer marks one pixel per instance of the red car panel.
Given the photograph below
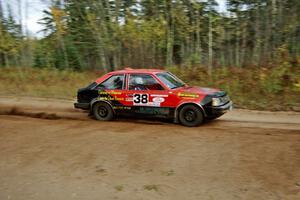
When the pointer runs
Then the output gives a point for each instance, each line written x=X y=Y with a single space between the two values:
x=156 y=98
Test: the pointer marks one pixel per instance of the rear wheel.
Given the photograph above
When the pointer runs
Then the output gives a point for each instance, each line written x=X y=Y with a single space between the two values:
x=190 y=115
x=102 y=111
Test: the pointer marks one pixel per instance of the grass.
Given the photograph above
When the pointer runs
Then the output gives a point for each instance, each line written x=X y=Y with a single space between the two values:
x=252 y=88
x=276 y=88
x=43 y=82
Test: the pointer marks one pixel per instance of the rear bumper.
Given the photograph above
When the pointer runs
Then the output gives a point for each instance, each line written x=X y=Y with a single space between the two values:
x=84 y=106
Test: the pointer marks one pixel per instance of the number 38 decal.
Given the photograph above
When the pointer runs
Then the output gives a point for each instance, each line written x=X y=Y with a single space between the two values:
x=140 y=99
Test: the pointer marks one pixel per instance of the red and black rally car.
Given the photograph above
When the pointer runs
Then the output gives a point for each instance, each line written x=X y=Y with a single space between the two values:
x=154 y=93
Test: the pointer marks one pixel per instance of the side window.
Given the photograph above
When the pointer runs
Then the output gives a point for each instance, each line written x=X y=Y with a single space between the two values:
x=115 y=82
x=143 y=82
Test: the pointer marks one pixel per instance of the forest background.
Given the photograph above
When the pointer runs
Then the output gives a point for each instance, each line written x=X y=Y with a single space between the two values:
x=251 y=48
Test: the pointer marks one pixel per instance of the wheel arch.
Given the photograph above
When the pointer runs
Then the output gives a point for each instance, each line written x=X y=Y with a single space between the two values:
x=94 y=101
x=177 y=109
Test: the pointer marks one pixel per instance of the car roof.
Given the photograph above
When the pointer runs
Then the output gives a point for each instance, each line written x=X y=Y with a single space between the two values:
x=129 y=70
x=141 y=71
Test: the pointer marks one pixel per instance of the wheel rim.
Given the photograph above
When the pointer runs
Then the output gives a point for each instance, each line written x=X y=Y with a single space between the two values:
x=102 y=111
x=190 y=115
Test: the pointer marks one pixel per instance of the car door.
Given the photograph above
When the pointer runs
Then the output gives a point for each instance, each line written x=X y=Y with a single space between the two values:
x=146 y=95
x=112 y=89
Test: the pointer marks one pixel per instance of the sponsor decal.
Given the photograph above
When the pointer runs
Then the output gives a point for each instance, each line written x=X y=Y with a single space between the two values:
x=144 y=100
x=114 y=93
x=110 y=95
x=158 y=99
x=188 y=95
x=111 y=98
x=122 y=108
x=109 y=92
x=119 y=99
x=102 y=92
x=155 y=104
x=140 y=99
x=159 y=95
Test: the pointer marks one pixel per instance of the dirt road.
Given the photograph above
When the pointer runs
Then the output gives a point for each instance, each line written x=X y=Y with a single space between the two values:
x=48 y=150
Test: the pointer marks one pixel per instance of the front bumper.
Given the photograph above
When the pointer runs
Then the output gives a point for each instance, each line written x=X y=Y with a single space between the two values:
x=84 y=106
x=219 y=110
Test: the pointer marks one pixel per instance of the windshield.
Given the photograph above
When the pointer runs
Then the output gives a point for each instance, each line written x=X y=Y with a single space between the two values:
x=170 y=80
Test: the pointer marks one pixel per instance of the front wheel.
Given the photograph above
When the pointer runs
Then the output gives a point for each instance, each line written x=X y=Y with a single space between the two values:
x=214 y=117
x=102 y=111
x=190 y=115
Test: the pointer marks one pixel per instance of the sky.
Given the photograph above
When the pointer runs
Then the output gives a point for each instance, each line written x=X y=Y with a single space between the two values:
x=35 y=12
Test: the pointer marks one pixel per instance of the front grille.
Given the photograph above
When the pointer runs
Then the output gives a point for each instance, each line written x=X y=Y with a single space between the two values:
x=224 y=99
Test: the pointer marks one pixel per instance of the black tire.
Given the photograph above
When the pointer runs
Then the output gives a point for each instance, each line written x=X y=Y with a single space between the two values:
x=191 y=115
x=103 y=111
x=214 y=117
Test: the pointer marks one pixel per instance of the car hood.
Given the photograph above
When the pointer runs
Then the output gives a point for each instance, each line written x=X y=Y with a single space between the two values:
x=201 y=91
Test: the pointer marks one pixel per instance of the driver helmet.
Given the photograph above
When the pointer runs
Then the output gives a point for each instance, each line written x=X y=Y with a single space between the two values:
x=139 y=81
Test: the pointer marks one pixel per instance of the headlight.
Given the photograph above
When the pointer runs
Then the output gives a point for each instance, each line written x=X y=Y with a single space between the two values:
x=216 y=101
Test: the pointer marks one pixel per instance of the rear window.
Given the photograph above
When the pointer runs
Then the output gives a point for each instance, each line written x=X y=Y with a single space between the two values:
x=115 y=82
